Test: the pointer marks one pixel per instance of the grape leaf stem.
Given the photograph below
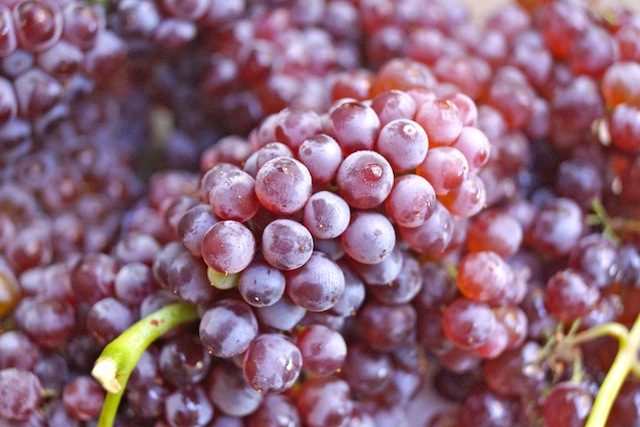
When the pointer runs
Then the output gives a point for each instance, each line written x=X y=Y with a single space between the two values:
x=118 y=359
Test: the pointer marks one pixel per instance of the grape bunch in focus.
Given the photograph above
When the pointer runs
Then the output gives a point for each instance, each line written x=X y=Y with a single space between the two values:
x=319 y=213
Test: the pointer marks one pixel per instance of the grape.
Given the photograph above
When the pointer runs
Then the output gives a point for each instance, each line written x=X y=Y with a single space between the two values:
x=369 y=238
x=230 y=393
x=148 y=401
x=354 y=125
x=569 y=295
x=272 y=363
x=475 y=147
x=322 y=155
x=8 y=42
x=364 y=179
x=275 y=408
x=568 y=404
x=441 y=119
x=295 y=126
x=558 y=226
x=183 y=361
x=188 y=279
x=188 y=406
x=48 y=322
x=284 y=314
x=326 y=215
x=433 y=235
x=468 y=199
x=317 y=285
x=107 y=319
x=228 y=247
x=404 y=143
x=260 y=284
x=404 y=287
x=232 y=196
x=381 y=273
x=619 y=84
x=324 y=402
x=323 y=349
x=353 y=295
x=483 y=276
x=241 y=328
x=286 y=244
x=283 y=185
x=17 y=351
x=20 y=393
x=385 y=327
x=445 y=168
x=367 y=371
x=488 y=409
x=38 y=24
x=468 y=324
x=83 y=398
x=624 y=127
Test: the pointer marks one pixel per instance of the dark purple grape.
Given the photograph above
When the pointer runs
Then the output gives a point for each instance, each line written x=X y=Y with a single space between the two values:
x=38 y=24
x=20 y=393
x=468 y=324
x=283 y=315
x=323 y=349
x=8 y=42
x=17 y=351
x=240 y=328
x=188 y=406
x=232 y=196
x=47 y=322
x=184 y=361
x=93 y=277
x=325 y=402
x=317 y=285
x=385 y=327
x=322 y=155
x=82 y=24
x=369 y=238
x=228 y=247
x=367 y=371
x=364 y=179
x=569 y=295
x=411 y=202
x=326 y=215
x=354 y=125
x=83 y=398
x=568 y=404
x=276 y=409
x=107 y=319
x=230 y=392
x=260 y=284
x=187 y=279
x=272 y=363
x=133 y=283
x=283 y=185
x=286 y=244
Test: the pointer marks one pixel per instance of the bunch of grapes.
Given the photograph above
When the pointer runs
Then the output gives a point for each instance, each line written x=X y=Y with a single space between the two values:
x=379 y=213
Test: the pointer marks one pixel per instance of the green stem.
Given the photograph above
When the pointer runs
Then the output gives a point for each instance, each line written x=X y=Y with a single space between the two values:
x=613 y=329
x=625 y=361
x=120 y=356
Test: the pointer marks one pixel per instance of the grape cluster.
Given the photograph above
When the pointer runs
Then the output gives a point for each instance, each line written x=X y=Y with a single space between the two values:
x=379 y=213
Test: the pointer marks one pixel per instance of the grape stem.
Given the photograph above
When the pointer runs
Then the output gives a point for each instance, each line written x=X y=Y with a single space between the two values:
x=626 y=361
x=118 y=359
